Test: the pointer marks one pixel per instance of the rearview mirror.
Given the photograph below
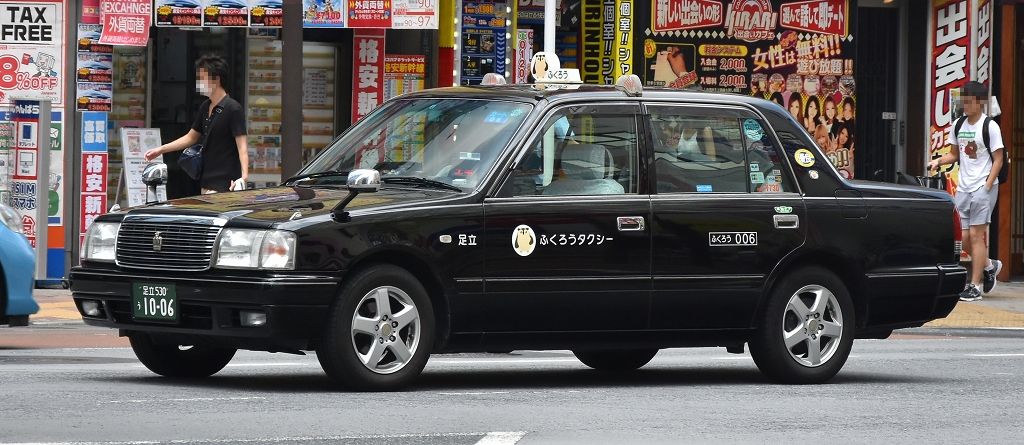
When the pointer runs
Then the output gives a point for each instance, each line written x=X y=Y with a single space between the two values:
x=154 y=174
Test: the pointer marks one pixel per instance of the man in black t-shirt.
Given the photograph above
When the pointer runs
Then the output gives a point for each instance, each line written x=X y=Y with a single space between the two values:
x=226 y=152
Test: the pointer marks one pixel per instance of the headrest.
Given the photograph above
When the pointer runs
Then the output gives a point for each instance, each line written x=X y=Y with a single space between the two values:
x=584 y=161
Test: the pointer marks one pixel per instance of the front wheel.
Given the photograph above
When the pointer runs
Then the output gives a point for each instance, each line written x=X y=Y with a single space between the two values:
x=179 y=361
x=380 y=331
x=806 y=330
x=616 y=360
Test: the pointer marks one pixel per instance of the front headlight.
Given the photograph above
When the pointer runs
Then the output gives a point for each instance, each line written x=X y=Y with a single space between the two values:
x=255 y=249
x=100 y=242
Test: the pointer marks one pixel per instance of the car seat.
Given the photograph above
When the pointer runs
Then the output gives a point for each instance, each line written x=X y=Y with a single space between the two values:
x=585 y=166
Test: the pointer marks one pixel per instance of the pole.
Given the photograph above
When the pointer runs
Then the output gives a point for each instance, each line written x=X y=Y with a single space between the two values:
x=42 y=188
x=291 y=89
x=549 y=26
x=72 y=148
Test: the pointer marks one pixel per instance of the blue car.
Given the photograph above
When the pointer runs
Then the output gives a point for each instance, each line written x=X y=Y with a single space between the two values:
x=17 y=267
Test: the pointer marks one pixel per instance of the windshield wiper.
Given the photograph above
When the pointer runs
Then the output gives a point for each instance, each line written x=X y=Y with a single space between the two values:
x=329 y=173
x=416 y=180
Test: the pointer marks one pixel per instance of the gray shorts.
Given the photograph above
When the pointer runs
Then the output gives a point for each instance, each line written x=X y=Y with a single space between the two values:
x=976 y=207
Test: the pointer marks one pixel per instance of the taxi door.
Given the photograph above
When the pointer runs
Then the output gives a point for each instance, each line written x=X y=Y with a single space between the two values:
x=568 y=244
x=726 y=212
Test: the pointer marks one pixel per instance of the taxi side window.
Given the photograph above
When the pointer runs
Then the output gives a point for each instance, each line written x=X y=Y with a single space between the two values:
x=696 y=151
x=581 y=150
x=767 y=169
x=703 y=150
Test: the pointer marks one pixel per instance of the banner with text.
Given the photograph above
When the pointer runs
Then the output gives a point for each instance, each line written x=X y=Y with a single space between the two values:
x=126 y=22
x=950 y=70
x=799 y=54
x=32 y=51
x=367 y=71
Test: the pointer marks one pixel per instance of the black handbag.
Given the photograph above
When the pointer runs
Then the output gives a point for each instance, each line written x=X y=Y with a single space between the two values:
x=191 y=160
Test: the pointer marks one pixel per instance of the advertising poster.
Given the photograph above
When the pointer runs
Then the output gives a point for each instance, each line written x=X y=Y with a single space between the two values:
x=95 y=96
x=24 y=181
x=135 y=142
x=523 y=54
x=951 y=45
x=93 y=200
x=403 y=74
x=226 y=13
x=368 y=71
x=799 y=54
x=91 y=12
x=623 y=53
x=266 y=13
x=484 y=40
x=414 y=14
x=323 y=13
x=126 y=22
x=95 y=67
x=32 y=51
x=89 y=40
x=369 y=13
x=178 y=12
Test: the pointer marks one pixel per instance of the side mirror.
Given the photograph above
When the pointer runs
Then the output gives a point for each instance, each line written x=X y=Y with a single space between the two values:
x=154 y=174
x=364 y=180
x=359 y=181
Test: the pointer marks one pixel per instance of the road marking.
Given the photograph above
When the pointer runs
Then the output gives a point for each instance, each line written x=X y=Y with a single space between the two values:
x=263 y=365
x=194 y=399
x=491 y=438
x=501 y=361
x=501 y=438
x=479 y=393
x=996 y=355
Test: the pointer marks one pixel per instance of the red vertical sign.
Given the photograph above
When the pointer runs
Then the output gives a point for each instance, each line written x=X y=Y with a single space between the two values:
x=983 y=52
x=951 y=45
x=90 y=12
x=367 y=71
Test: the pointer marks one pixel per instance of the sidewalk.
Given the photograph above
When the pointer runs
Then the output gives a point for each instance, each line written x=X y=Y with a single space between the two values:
x=1003 y=308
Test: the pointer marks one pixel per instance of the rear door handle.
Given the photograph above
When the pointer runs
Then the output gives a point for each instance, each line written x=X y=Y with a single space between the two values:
x=786 y=221
x=631 y=223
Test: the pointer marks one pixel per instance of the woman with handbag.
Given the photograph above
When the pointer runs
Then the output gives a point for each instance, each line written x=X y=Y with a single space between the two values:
x=216 y=151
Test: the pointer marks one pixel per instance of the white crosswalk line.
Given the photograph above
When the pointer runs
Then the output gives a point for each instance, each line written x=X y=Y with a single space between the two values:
x=501 y=438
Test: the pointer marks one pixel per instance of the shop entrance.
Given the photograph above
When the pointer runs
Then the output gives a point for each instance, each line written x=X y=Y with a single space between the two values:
x=876 y=143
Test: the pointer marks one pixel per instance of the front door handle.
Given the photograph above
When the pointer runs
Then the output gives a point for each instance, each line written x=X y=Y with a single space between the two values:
x=787 y=221
x=631 y=223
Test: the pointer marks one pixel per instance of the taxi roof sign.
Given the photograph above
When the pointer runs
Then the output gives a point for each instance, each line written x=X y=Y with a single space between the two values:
x=630 y=84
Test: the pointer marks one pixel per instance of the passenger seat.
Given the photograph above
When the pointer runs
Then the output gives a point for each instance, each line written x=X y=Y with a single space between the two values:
x=585 y=166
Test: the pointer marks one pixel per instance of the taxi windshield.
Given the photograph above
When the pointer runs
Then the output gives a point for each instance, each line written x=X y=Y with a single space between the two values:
x=444 y=142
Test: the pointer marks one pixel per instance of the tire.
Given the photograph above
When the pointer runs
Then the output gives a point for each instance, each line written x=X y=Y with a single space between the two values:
x=807 y=300
x=170 y=360
x=616 y=360
x=366 y=349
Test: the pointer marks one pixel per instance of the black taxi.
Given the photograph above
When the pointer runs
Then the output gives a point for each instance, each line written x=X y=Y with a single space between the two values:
x=613 y=221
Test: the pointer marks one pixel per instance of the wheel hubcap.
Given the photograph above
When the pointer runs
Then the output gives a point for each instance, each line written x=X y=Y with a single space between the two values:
x=385 y=330
x=812 y=326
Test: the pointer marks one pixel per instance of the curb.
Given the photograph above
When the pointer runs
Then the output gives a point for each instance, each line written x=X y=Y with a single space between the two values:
x=988 y=332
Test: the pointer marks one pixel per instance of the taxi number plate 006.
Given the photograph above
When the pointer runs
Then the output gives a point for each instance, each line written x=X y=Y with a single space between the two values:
x=726 y=239
x=155 y=302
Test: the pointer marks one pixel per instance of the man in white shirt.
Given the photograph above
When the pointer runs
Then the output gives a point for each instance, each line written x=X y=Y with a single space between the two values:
x=978 y=188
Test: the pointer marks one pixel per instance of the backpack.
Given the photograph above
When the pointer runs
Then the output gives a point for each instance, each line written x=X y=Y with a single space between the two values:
x=985 y=138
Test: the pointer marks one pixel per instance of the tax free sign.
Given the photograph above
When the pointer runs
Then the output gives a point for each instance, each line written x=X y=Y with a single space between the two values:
x=28 y=22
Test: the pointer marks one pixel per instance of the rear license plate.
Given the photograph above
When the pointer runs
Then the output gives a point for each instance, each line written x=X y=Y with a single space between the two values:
x=156 y=302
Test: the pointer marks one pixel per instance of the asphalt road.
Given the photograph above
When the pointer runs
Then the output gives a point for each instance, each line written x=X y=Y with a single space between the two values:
x=908 y=389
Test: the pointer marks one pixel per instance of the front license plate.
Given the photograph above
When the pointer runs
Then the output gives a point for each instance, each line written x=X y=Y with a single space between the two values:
x=156 y=302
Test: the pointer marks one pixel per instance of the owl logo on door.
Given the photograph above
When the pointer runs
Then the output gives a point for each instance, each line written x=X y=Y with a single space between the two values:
x=523 y=240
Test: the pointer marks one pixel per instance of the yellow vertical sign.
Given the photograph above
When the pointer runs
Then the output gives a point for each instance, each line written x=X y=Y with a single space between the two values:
x=623 y=52
x=590 y=42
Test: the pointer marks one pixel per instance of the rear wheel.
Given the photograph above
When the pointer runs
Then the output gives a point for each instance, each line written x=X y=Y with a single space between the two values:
x=180 y=361
x=616 y=360
x=806 y=330
x=380 y=331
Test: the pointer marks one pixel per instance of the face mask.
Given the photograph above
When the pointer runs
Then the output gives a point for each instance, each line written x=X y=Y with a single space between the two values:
x=203 y=88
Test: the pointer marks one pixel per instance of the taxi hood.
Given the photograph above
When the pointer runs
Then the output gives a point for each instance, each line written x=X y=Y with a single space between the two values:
x=279 y=204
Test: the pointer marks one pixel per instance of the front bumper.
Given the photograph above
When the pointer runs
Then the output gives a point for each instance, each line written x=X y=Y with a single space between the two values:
x=296 y=307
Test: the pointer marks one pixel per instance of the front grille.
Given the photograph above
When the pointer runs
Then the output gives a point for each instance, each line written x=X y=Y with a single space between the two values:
x=183 y=246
